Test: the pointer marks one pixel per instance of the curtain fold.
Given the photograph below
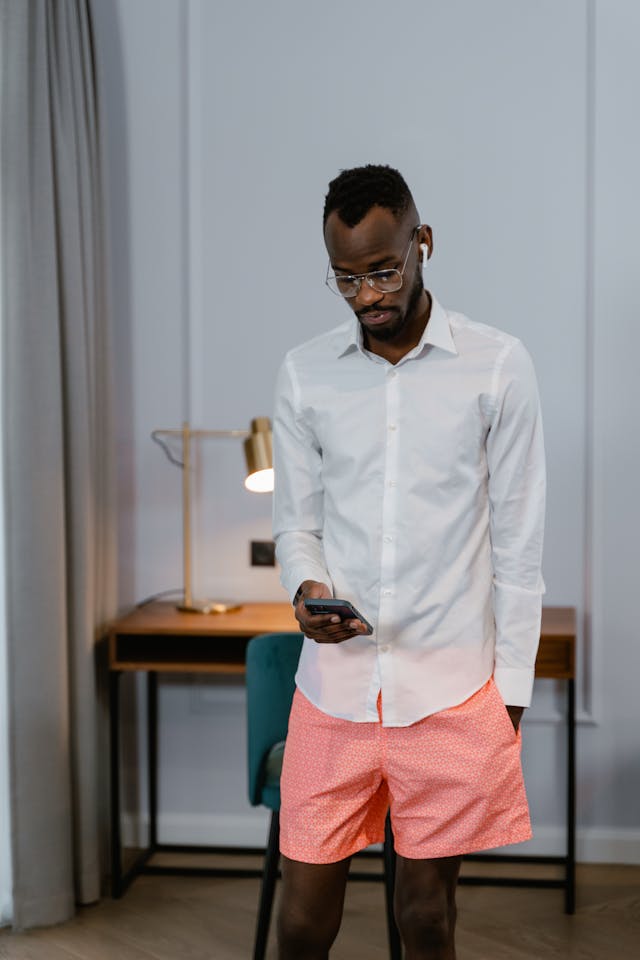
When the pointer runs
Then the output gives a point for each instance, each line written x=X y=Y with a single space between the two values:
x=57 y=449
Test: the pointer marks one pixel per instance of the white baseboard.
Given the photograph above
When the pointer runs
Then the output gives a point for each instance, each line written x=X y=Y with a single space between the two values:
x=593 y=844
x=217 y=830
x=608 y=845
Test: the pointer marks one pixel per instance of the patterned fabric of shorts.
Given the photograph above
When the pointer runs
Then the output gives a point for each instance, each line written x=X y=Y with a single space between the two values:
x=453 y=782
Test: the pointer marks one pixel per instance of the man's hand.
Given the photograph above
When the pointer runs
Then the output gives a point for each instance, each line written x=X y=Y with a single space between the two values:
x=515 y=713
x=325 y=627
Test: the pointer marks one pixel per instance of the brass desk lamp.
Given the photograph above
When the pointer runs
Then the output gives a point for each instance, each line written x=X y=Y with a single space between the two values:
x=259 y=479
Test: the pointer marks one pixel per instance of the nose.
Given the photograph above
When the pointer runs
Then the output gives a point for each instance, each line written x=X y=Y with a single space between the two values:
x=367 y=296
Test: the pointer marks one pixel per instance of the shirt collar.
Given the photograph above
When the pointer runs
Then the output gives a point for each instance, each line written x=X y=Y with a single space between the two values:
x=437 y=333
x=349 y=337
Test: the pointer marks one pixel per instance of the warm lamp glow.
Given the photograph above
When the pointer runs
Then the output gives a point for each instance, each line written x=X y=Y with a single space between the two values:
x=259 y=457
x=261 y=481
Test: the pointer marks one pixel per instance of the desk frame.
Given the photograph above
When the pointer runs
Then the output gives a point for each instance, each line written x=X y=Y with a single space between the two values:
x=158 y=639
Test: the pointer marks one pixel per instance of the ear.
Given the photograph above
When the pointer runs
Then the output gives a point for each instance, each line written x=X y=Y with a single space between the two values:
x=425 y=239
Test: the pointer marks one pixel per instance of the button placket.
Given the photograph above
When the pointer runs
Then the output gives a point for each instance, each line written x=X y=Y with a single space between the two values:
x=389 y=514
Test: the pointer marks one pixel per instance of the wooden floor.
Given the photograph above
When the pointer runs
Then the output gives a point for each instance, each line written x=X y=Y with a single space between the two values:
x=198 y=918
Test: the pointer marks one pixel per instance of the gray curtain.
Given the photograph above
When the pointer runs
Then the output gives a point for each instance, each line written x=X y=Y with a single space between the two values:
x=57 y=453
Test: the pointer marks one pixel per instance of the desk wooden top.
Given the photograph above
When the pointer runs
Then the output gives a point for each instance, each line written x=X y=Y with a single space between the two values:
x=251 y=618
x=128 y=649
x=557 y=650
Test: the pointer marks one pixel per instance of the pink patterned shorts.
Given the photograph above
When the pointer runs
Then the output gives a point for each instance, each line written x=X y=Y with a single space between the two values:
x=453 y=782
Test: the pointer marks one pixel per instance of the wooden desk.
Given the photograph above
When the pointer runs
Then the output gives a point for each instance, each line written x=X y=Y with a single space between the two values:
x=157 y=638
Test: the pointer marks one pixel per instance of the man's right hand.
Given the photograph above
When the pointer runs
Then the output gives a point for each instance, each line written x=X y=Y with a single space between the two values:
x=324 y=627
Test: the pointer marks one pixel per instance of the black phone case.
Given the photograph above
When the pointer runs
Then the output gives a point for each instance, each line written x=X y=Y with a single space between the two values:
x=343 y=608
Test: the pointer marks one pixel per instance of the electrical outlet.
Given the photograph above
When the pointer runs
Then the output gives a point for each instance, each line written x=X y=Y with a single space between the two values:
x=263 y=553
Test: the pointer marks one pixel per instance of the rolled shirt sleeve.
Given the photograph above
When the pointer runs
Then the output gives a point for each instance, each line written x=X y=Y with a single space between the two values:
x=516 y=484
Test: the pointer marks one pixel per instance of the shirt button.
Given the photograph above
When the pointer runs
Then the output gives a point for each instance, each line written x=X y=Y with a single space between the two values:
x=392 y=426
x=386 y=593
x=388 y=539
x=393 y=483
x=384 y=649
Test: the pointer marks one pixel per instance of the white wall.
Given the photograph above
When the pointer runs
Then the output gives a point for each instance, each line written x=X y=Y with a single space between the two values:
x=512 y=123
x=6 y=873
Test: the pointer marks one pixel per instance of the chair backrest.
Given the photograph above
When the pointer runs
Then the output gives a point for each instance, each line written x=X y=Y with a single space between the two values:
x=272 y=661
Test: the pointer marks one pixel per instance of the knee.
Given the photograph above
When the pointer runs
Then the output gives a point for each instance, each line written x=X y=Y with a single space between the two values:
x=302 y=935
x=426 y=923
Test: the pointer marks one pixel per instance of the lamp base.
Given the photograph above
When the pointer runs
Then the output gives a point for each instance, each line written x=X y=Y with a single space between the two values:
x=208 y=606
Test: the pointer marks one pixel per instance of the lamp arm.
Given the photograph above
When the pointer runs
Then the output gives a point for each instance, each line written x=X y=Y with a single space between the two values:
x=201 y=433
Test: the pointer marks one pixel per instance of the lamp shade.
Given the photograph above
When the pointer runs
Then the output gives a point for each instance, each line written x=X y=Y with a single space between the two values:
x=259 y=457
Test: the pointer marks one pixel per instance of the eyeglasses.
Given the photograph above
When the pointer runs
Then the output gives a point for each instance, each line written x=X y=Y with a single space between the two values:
x=384 y=281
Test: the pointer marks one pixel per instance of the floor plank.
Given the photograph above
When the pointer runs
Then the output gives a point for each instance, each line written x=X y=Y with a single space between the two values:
x=198 y=918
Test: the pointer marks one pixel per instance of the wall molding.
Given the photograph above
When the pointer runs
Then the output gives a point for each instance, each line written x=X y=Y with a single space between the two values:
x=193 y=206
x=590 y=662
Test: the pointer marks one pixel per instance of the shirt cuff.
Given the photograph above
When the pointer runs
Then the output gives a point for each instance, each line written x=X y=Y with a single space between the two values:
x=515 y=685
x=295 y=577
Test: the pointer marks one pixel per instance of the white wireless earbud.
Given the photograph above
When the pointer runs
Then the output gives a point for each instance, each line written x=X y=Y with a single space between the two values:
x=425 y=252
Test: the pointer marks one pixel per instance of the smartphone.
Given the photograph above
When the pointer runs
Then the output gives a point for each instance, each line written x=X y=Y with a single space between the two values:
x=343 y=608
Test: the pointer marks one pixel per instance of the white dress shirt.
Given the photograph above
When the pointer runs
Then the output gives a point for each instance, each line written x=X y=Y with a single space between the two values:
x=416 y=491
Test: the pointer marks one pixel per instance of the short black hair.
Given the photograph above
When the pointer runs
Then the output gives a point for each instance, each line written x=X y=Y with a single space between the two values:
x=354 y=192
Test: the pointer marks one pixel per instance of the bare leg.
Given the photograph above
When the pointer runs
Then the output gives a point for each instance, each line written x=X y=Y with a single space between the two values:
x=310 y=908
x=425 y=907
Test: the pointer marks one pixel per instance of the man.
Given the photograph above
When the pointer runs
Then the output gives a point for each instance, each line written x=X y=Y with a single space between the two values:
x=410 y=481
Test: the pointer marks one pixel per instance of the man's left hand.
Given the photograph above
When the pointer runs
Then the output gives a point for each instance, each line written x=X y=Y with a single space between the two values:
x=515 y=714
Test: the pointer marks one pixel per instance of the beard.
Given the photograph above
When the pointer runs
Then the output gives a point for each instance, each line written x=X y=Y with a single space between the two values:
x=391 y=330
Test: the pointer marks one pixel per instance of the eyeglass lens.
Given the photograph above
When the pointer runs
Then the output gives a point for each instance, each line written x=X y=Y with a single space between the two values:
x=384 y=281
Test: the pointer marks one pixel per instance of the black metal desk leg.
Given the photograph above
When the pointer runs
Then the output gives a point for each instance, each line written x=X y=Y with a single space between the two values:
x=570 y=890
x=152 y=756
x=114 y=750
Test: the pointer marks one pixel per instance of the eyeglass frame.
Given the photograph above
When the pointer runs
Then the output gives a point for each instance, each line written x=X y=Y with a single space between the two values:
x=368 y=276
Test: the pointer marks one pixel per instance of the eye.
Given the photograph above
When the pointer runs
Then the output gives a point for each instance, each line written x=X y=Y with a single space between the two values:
x=385 y=275
x=345 y=282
